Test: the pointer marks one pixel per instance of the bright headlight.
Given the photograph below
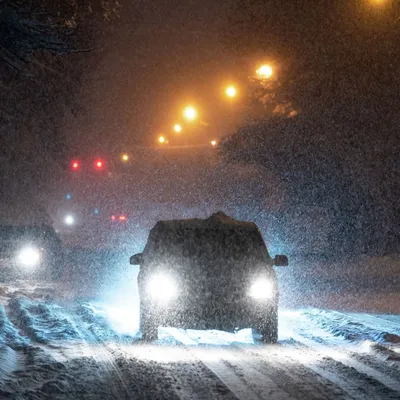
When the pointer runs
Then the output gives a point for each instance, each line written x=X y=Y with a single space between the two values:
x=29 y=256
x=161 y=287
x=262 y=289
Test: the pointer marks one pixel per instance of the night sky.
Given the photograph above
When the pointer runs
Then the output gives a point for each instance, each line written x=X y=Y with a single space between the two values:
x=176 y=52
x=153 y=67
x=335 y=62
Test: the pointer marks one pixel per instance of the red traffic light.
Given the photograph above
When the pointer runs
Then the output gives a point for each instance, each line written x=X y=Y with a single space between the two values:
x=99 y=164
x=75 y=165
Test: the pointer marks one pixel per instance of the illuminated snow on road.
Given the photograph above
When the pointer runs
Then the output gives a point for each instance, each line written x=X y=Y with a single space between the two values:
x=53 y=348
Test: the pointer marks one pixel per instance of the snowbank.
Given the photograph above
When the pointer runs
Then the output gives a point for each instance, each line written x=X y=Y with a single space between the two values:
x=42 y=322
x=371 y=332
x=8 y=334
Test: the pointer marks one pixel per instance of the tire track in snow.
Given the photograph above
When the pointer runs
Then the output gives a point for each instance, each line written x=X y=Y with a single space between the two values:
x=100 y=353
x=351 y=387
x=297 y=364
x=356 y=340
x=243 y=377
x=174 y=370
x=239 y=376
x=345 y=359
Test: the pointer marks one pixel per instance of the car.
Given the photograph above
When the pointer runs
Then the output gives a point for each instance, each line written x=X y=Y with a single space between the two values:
x=30 y=251
x=212 y=273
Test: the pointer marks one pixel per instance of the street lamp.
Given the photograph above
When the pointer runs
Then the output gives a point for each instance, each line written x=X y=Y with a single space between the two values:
x=190 y=113
x=161 y=139
x=379 y=3
x=177 y=128
x=124 y=157
x=213 y=143
x=231 y=91
x=265 y=71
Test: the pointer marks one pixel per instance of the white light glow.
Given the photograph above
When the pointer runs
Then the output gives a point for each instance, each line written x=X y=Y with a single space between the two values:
x=122 y=319
x=162 y=287
x=29 y=257
x=69 y=220
x=262 y=289
x=190 y=113
x=264 y=71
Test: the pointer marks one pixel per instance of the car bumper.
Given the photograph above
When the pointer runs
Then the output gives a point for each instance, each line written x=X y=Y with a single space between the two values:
x=213 y=313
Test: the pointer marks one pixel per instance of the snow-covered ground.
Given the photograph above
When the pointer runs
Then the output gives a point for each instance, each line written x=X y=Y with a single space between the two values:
x=53 y=346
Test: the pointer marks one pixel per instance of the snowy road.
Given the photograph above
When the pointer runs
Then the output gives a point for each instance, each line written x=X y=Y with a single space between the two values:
x=51 y=349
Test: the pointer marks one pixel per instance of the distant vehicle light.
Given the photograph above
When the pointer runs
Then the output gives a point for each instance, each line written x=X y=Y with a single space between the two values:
x=75 y=165
x=124 y=157
x=113 y=217
x=262 y=289
x=122 y=218
x=161 y=287
x=99 y=164
x=161 y=139
x=69 y=220
x=29 y=256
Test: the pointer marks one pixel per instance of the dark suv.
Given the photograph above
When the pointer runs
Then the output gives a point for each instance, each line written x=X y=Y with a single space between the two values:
x=30 y=251
x=214 y=273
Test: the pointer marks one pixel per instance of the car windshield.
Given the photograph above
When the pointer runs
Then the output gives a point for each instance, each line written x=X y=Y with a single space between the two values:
x=209 y=246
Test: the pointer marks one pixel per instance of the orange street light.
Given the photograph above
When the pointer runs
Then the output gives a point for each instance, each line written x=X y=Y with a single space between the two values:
x=213 y=143
x=265 y=71
x=231 y=91
x=190 y=113
x=124 y=157
x=178 y=128
x=379 y=3
x=161 y=139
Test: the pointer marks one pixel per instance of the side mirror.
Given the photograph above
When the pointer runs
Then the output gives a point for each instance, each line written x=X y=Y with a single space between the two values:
x=136 y=259
x=281 y=261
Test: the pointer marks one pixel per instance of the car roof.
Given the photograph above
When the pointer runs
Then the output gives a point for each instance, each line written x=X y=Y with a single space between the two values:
x=217 y=221
x=192 y=236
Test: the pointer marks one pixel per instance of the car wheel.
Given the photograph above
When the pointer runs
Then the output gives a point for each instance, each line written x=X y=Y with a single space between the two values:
x=267 y=331
x=148 y=326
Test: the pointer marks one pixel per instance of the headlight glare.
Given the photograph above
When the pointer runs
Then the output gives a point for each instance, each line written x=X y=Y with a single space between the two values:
x=29 y=256
x=262 y=289
x=161 y=287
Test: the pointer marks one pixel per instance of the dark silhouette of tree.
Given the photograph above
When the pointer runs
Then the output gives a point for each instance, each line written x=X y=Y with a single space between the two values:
x=43 y=46
x=338 y=67
x=323 y=168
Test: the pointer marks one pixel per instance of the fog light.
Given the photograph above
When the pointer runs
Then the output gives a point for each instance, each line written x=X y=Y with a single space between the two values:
x=29 y=257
